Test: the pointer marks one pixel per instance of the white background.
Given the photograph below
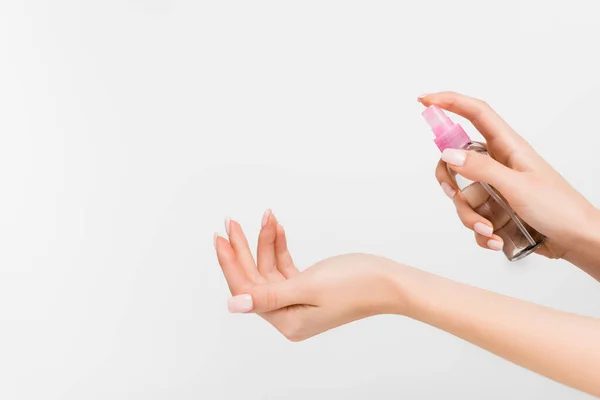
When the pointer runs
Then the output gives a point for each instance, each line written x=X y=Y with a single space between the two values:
x=130 y=129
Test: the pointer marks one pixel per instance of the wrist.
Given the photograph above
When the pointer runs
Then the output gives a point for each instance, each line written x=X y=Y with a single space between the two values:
x=592 y=233
x=585 y=251
x=406 y=285
x=373 y=284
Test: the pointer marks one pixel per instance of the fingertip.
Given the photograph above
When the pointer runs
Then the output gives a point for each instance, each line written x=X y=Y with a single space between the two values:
x=454 y=102
x=440 y=99
x=495 y=244
x=220 y=241
x=448 y=190
x=280 y=241
x=280 y=230
x=454 y=157
x=266 y=217
x=483 y=229
x=240 y=304
x=223 y=247
x=278 y=226
x=227 y=225
x=234 y=229
x=268 y=230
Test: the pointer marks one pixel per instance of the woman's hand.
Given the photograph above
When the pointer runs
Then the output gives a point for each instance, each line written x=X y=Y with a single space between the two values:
x=561 y=346
x=332 y=292
x=539 y=194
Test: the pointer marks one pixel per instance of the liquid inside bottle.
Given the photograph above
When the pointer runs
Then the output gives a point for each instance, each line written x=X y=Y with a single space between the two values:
x=519 y=238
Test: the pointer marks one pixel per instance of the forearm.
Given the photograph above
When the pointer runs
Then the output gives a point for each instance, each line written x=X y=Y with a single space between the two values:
x=561 y=346
x=585 y=252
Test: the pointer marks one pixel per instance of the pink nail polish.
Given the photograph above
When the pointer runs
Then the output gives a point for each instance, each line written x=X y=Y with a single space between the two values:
x=454 y=157
x=215 y=240
x=227 y=224
x=240 y=304
x=266 y=217
x=495 y=245
x=448 y=190
x=519 y=239
x=483 y=229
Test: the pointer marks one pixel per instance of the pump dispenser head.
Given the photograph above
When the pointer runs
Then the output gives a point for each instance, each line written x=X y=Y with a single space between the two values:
x=448 y=134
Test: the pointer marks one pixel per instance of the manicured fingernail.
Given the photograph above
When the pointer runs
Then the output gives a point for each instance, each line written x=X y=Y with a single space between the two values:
x=215 y=239
x=450 y=192
x=266 y=217
x=240 y=304
x=421 y=97
x=454 y=156
x=495 y=245
x=227 y=223
x=483 y=229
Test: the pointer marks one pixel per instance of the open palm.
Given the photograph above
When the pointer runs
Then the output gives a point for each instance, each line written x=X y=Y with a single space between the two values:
x=330 y=293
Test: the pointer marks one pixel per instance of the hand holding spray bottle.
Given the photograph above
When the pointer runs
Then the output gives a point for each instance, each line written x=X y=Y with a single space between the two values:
x=519 y=238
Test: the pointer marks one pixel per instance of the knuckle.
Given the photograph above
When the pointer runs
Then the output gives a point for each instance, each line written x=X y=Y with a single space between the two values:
x=257 y=279
x=481 y=108
x=274 y=275
x=532 y=179
x=462 y=210
x=472 y=159
x=483 y=104
x=452 y=99
x=476 y=162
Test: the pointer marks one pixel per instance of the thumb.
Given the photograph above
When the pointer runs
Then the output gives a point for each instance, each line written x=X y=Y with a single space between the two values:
x=480 y=167
x=266 y=297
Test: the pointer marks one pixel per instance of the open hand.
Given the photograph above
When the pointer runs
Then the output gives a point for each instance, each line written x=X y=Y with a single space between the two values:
x=332 y=292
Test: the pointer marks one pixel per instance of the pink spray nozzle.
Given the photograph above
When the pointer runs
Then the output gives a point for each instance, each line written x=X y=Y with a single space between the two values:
x=447 y=133
x=439 y=122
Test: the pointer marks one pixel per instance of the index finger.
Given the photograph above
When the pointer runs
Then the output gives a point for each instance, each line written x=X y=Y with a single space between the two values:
x=481 y=115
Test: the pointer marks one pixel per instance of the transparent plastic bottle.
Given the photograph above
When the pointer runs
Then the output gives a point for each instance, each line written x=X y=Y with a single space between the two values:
x=519 y=238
